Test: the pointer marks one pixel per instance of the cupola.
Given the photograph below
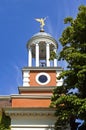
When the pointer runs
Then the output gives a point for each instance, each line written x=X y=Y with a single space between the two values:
x=39 y=48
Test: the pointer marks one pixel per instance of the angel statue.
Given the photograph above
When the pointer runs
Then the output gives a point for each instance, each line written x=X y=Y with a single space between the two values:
x=42 y=22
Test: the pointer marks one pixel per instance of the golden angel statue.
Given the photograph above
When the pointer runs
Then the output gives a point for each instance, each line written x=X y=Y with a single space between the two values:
x=42 y=22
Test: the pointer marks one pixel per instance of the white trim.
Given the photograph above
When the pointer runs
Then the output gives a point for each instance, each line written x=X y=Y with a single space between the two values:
x=26 y=79
x=47 y=75
x=32 y=126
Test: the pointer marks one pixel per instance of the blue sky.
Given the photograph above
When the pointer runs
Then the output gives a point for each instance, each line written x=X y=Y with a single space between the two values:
x=17 y=25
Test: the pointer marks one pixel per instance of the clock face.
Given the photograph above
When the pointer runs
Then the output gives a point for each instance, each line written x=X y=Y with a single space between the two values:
x=43 y=78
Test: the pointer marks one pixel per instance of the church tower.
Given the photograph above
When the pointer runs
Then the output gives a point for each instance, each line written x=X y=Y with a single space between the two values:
x=31 y=107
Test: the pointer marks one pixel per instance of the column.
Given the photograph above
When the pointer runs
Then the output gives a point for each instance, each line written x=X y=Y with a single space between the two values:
x=55 y=60
x=47 y=55
x=37 y=55
x=29 y=57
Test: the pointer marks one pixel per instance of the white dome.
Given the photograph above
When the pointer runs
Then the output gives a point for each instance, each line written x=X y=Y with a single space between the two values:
x=42 y=34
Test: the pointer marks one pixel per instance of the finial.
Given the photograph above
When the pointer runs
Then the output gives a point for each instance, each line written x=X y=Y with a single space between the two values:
x=42 y=23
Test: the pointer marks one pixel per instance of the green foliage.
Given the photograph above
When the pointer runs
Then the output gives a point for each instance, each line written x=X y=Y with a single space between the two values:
x=4 y=122
x=53 y=55
x=74 y=50
x=73 y=40
x=66 y=105
x=68 y=20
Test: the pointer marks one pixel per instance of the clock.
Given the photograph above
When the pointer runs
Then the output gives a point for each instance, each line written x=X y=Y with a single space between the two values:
x=42 y=78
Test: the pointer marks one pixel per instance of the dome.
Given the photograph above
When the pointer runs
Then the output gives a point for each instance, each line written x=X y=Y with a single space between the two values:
x=42 y=36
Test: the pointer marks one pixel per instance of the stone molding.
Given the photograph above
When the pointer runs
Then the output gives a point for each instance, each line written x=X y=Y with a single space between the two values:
x=30 y=111
x=32 y=96
x=59 y=69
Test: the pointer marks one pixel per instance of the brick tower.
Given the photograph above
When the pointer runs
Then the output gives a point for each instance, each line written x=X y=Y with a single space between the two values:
x=31 y=107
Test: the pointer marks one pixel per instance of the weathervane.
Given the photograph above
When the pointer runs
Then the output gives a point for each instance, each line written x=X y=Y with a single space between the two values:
x=42 y=22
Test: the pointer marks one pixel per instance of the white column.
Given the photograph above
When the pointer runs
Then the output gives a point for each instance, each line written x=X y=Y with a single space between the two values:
x=47 y=55
x=37 y=55
x=29 y=57
x=55 y=60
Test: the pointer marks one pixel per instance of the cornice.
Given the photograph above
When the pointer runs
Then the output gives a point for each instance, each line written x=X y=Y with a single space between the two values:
x=42 y=68
x=32 y=96
x=4 y=97
x=30 y=111
x=38 y=88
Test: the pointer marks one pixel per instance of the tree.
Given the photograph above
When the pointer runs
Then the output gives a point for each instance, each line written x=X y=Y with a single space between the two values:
x=4 y=121
x=73 y=40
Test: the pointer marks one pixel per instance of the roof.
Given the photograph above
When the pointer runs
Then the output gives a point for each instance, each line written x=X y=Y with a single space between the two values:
x=42 y=36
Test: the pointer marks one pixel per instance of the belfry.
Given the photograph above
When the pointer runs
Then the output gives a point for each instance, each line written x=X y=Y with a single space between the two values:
x=30 y=108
